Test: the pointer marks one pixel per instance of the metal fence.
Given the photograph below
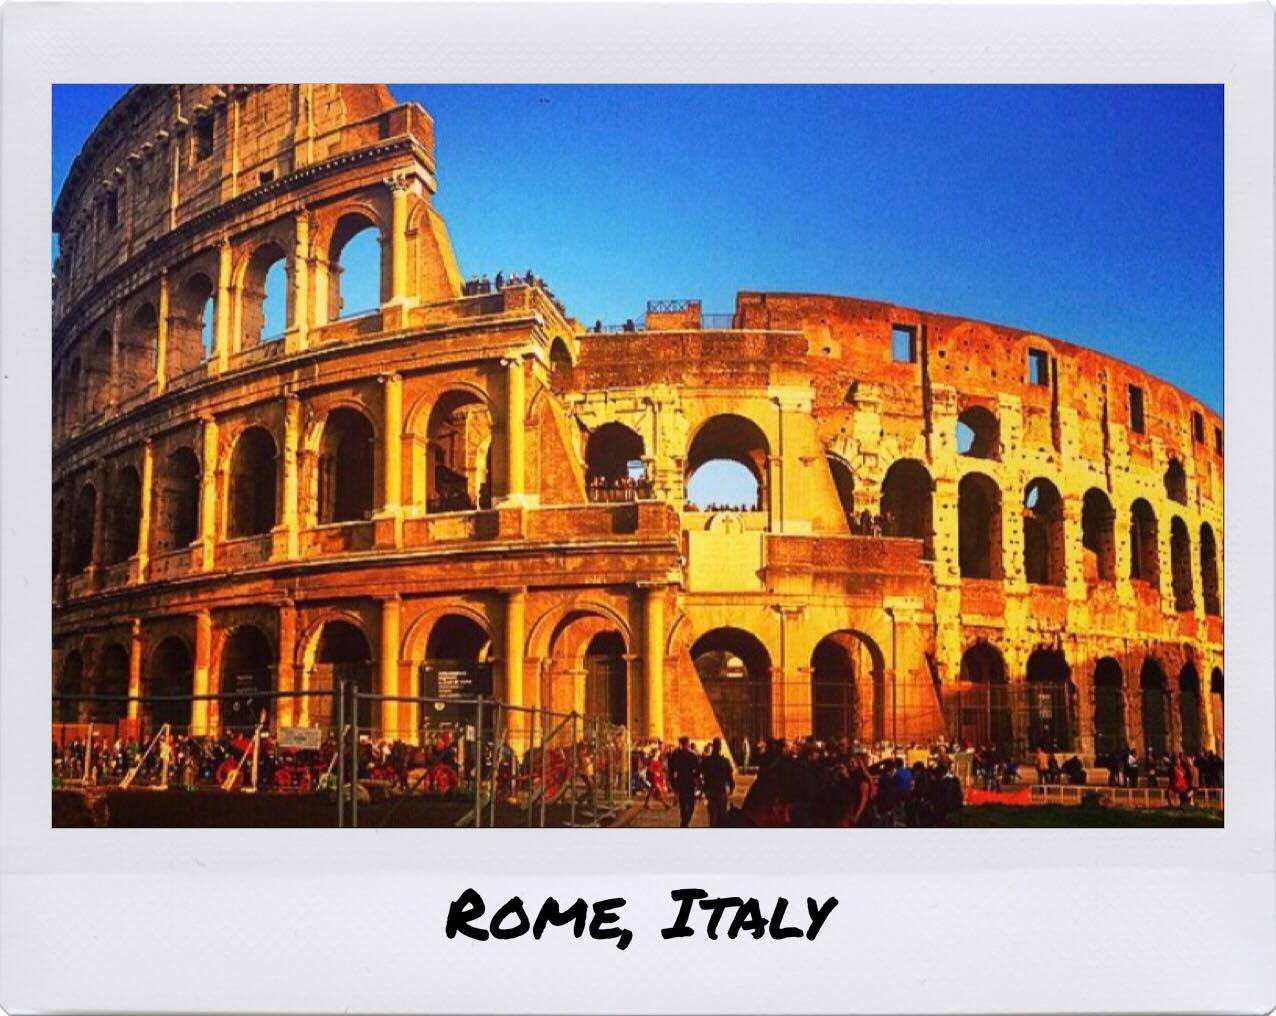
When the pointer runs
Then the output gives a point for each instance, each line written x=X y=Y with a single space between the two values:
x=1121 y=797
x=379 y=759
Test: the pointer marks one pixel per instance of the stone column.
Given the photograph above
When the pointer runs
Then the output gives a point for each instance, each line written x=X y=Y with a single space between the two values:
x=796 y=448
x=117 y=334
x=98 y=550
x=285 y=541
x=161 y=337
x=1207 y=707
x=143 y=555
x=201 y=713
x=224 y=310
x=298 y=334
x=515 y=435
x=400 y=185
x=515 y=633
x=135 y=669
x=654 y=656
x=388 y=661
x=1073 y=556
x=288 y=709
x=389 y=522
x=208 y=495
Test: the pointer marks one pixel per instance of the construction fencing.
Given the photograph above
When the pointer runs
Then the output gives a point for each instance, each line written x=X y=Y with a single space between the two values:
x=378 y=759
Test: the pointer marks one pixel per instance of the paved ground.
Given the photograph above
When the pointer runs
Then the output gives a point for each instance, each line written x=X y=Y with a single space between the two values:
x=658 y=817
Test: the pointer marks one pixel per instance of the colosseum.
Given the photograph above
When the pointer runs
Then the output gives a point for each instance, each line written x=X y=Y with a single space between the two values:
x=959 y=528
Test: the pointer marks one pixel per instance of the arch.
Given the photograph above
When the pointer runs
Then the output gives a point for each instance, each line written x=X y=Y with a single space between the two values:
x=1216 y=706
x=1145 y=559
x=1043 y=546
x=587 y=650
x=70 y=683
x=1176 y=482
x=139 y=345
x=1109 y=708
x=171 y=673
x=614 y=465
x=735 y=669
x=979 y=433
x=1049 y=700
x=731 y=446
x=1181 y=565
x=560 y=356
x=72 y=405
x=453 y=459
x=1190 y=709
x=192 y=314
x=344 y=480
x=607 y=678
x=248 y=668
x=252 y=488
x=1154 y=706
x=848 y=688
x=1209 y=570
x=844 y=484
x=1098 y=536
x=907 y=502
x=123 y=516
x=177 y=501
x=458 y=638
x=342 y=652
x=356 y=271
x=111 y=679
x=59 y=524
x=98 y=374
x=983 y=705
x=83 y=522
x=263 y=296
x=979 y=527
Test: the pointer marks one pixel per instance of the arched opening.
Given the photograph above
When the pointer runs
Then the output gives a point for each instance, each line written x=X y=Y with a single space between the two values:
x=191 y=325
x=560 y=357
x=344 y=655
x=172 y=674
x=1155 y=707
x=1098 y=536
x=457 y=460
x=112 y=681
x=1176 y=482
x=1181 y=565
x=844 y=484
x=263 y=306
x=124 y=516
x=906 y=502
x=346 y=456
x=983 y=712
x=139 y=345
x=1190 y=709
x=614 y=466
x=1043 y=550
x=59 y=524
x=71 y=685
x=607 y=678
x=354 y=267
x=82 y=525
x=248 y=668
x=978 y=434
x=71 y=394
x=1145 y=561
x=848 y=689
x=1216 y=704
x=1209 y=571
x=1109 y=708
x=97 y=375
x=735 y=669
x=177 y=501
x=252 y=484
x=456 y=638
x=727 y=465
x=1049 y=701
x=979 y=527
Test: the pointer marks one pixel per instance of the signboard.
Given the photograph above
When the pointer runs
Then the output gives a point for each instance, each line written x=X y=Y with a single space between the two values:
x=446 y=680
x=303 y=738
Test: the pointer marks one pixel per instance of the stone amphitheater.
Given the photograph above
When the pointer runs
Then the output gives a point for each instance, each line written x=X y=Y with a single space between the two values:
x=959 y=528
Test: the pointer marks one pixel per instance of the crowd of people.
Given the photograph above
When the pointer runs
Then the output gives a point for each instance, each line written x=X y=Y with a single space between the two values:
x=717 y=506
x=1180 y=773
x=609 y=489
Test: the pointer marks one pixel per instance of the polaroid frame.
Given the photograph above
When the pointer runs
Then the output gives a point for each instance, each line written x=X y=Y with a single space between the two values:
x=930 y=920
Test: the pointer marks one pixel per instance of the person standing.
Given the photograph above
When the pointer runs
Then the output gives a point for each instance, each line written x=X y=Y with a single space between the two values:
x=684 y=767
x=717 y=776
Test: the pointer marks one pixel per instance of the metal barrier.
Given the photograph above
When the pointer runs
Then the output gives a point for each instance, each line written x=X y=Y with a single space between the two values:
x=1121 y=797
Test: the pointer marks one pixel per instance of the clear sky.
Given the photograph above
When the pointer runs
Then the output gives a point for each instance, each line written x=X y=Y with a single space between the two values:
x=1093 y=214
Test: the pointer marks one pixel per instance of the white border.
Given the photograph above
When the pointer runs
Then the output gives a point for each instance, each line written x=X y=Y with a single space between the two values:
x=992 y=921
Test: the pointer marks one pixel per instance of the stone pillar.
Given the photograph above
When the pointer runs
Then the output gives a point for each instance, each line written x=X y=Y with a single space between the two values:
x=201 y=713
x=515 y=435
x=388 y=661
x=208 y=495
x=161 y=337
x=298 y=334
x=224 y=310
x=98 y=550
x=796 y=449
x=117 y=336
x=288 y=708
x=285 y=538
x=389 y=521
x=654 y=657
x=1073 y=550
x=135 y=669
x=399 y=185
x=791 y=698
x=515 y=633
x=143 y=555
x=1207 y=707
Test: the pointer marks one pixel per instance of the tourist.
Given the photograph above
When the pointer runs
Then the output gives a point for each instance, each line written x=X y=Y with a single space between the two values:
x=717 y=777
x=1042 y=765
x=684 y=767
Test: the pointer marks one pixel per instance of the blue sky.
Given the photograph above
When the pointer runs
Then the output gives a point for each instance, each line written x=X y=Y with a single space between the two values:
x=1092 y=214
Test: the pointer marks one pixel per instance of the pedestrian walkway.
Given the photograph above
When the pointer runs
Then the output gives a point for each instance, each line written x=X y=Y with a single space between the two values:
x=659 y=817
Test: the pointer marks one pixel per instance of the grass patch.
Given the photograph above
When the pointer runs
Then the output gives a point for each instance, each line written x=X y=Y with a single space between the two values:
x=1060 y=816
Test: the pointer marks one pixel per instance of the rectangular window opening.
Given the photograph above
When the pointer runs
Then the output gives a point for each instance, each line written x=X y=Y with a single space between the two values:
x=1198 y=428
x=903 y=344
x=1218 y=440
x=265 y=176
x=1038 y=367
x=1136 y=409
x=203 y=137
x=112 y=210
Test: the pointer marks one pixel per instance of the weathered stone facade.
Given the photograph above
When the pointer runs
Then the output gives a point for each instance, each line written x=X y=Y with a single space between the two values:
x=476 y=475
